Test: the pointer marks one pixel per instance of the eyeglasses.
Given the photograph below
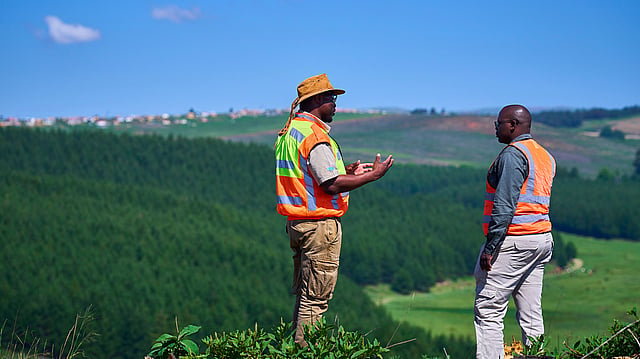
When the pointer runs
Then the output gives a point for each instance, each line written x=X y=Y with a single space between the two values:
x=333 y=97
x=498 y=123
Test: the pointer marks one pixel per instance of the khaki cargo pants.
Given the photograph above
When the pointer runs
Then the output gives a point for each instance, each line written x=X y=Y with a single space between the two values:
x=517 y=271
x=316 y=247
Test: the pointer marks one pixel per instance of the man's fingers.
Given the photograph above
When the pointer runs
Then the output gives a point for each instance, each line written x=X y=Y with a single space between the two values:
x=389 y=159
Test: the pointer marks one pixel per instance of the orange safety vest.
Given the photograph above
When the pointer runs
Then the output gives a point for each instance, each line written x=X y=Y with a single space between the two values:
x=532 y=210
x=298 y=194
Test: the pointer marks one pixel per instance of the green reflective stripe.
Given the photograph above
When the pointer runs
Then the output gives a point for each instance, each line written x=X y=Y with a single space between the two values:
x=284 y=172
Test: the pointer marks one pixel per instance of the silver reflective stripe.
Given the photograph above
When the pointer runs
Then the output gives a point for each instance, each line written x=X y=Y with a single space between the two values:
x=529 y=198
x=489 y=196
x=285 y=164
x=529 y=218
x=289 y=200
x=308 y=185
x=532 y=167
x=296 y=134
x=486 y=219
x=553 y=163
x=334 y=201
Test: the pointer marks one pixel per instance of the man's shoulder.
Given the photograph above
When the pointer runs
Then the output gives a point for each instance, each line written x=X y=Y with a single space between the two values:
x=511 y=151
x=511 y=155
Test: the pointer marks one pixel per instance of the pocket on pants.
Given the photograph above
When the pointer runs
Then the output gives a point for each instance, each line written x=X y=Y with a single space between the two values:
x=526 y=245
x=485 y=291
x=322 y=279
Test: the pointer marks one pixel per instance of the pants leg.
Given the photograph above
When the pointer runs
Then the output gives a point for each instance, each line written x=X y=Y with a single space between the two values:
x=489 y=308
x=528 y=296
x=517 y=270
x=316 y=245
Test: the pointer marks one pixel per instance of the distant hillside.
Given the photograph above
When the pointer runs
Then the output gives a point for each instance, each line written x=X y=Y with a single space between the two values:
x=470 y=140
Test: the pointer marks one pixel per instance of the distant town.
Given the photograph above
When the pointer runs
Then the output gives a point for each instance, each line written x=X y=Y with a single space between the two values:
x=163 y=119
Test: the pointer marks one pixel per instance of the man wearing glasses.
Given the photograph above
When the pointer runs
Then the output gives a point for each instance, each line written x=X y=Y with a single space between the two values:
x=312 y=185
x=518 y=231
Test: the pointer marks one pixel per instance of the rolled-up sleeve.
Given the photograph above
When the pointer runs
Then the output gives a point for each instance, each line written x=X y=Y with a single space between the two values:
x=322 y=163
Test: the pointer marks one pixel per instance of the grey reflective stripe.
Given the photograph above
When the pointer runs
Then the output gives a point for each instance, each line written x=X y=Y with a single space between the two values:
x=285 y=164
x=529 y=218
x=529 y=198
x=334 y=201
x=486 y=219
x=296 y=134
x=553 y=164
x=308 y=185
x=489 y=196
x=532 y=167
x=289 y=200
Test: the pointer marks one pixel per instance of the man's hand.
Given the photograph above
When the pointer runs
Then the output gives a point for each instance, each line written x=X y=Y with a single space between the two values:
x=380 y=168
x=358 y=174
x=485 y=261
x=358 y=168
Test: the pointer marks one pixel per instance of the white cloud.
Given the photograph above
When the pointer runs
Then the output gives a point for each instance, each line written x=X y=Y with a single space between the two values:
x=176 y=14
x=69 y=33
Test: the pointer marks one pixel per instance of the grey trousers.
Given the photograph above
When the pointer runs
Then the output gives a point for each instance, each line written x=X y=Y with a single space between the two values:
x=517 y=271
x=316 y=248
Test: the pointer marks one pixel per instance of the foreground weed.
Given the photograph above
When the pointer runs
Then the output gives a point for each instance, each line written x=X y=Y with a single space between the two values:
x=27 y=346
x=538 y=347
x=168 y=345
x=324 y=341
x=624 y=341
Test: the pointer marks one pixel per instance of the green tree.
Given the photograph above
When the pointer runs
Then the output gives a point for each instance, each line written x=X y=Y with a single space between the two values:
x=609 y=132
x=402 y=282
x=636 y=162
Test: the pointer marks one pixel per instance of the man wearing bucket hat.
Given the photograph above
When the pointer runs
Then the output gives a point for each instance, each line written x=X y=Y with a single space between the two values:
x=312 y=185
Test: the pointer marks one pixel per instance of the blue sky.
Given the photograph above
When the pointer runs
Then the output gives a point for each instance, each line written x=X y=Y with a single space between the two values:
x=81 y=58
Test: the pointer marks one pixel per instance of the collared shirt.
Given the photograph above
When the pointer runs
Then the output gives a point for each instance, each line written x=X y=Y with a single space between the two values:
x=506 y=175
x=322 y=161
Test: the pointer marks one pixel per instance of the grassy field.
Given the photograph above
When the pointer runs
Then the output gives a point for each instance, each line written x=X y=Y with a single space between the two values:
x=465 y=140
x=577 y=303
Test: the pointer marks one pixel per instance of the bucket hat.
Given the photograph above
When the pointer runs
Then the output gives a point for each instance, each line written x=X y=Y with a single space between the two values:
x=310 y=87
x=315 y=85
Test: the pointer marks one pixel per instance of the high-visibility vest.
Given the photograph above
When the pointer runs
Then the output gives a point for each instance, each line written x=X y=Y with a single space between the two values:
x=298 y=194
x=532 y=210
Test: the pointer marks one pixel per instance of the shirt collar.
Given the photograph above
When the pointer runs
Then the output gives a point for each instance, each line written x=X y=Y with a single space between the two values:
x=522 y=137
x=317 y=120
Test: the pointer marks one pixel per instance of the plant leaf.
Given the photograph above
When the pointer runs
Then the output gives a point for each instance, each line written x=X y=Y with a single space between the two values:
x=190 y=346
x=188 y=330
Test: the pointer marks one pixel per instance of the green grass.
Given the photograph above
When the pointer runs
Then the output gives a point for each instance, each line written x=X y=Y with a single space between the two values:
x=576 y=304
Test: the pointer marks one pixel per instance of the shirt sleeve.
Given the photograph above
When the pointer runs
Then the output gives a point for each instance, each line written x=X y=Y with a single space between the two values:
x=510 y=170
x=322 y=163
